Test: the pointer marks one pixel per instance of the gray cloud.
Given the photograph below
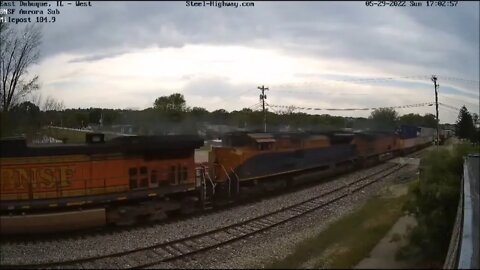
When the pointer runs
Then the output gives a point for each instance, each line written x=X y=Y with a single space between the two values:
x=433 y=39
x=96 y=57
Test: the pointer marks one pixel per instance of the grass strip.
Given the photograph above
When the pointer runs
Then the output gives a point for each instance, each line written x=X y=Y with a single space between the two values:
x=347 y=241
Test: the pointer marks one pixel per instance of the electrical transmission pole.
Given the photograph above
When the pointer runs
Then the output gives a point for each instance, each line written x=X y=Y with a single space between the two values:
x=434 y=79
x=262 y=98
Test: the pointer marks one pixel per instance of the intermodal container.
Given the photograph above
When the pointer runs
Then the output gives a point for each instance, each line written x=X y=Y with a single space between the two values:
x=407 y=132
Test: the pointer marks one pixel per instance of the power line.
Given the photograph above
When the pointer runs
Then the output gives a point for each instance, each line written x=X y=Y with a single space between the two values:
x=449 y=78
x=380 y=79
x=385 y=79
x=311 y=92
x=449 y=106
x=353 y=109
x=413 y=77
x=458 y=100
x=278 y=112
x=253 y=106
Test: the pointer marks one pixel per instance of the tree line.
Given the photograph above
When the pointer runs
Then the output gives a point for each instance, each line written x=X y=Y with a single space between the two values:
x=171 y=115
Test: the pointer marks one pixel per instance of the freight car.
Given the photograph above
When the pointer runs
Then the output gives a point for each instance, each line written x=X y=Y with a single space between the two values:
x=264 y=161
x=444 y=135
x=95 y=183
x=373 y=147
x=412 y=138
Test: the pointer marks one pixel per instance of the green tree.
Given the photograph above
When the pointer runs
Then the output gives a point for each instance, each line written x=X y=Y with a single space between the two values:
x=110 y=117
x=464 y=127
x=435 y=200
x=174 y=102
x=384 y=118
x=94 y=115
x=385 y=115
x=161 y=103
x=80 y=119
x=220 y=116
x=173 y=107
x=23 y=118
x=198 y=113
x=428 y=120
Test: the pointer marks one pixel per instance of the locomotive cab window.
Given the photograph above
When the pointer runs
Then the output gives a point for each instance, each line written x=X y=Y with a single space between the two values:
x=138 y=178
x=265 y=146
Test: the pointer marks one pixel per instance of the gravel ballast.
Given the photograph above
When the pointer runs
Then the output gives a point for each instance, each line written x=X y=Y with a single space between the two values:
x=258 y=251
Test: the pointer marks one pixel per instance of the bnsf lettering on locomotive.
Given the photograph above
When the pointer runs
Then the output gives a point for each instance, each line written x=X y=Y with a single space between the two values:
x=66 y=175
x=7 y=182
x=22 y=179
x=43 y=178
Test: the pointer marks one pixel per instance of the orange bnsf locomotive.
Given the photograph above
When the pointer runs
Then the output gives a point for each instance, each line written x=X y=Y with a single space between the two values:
x=110 y=182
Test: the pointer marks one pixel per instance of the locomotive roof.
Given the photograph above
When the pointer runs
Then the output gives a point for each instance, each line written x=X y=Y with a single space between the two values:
x=17 y=147
x=242 y=137
x=374 y=134
x=287 y=134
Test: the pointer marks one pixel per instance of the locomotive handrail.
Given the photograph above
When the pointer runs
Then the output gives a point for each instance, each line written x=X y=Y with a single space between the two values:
x=238 y=180
x=209 y=178
x=236 y=176
x=229 y=180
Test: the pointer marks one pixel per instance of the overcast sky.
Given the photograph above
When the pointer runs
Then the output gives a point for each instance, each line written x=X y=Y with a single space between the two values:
x=126 y=54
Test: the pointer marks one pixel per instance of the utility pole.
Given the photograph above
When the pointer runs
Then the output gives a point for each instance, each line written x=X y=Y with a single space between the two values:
x=434 y=79
x=262 y=98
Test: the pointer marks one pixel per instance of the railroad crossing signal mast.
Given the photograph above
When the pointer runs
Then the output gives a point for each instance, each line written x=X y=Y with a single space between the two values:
x=262 y=98
x=434 y=79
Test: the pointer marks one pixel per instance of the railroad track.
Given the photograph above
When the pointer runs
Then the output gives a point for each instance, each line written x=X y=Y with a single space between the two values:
x=184 y=247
